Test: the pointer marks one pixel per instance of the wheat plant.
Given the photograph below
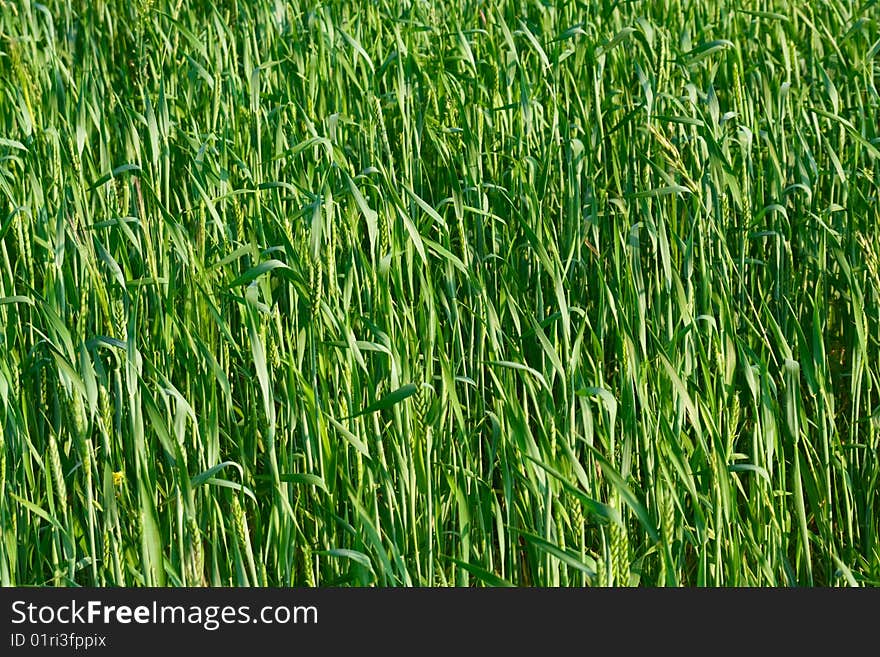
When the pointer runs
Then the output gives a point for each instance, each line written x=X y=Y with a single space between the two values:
x=440 y=293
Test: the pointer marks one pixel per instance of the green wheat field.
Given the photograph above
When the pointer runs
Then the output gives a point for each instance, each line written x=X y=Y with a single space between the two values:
x=440 y=293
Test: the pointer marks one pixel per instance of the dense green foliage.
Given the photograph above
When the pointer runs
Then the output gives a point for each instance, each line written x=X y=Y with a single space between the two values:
x=439 y=293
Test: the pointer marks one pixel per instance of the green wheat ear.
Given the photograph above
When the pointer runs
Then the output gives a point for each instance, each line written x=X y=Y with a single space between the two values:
x=620 y=563
x=105 y=409
x=316 y=285
x=195 y=556
x=57 y=474
x=378 y=117
x=120 y=323
x=308 y=571
x=243 y=534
